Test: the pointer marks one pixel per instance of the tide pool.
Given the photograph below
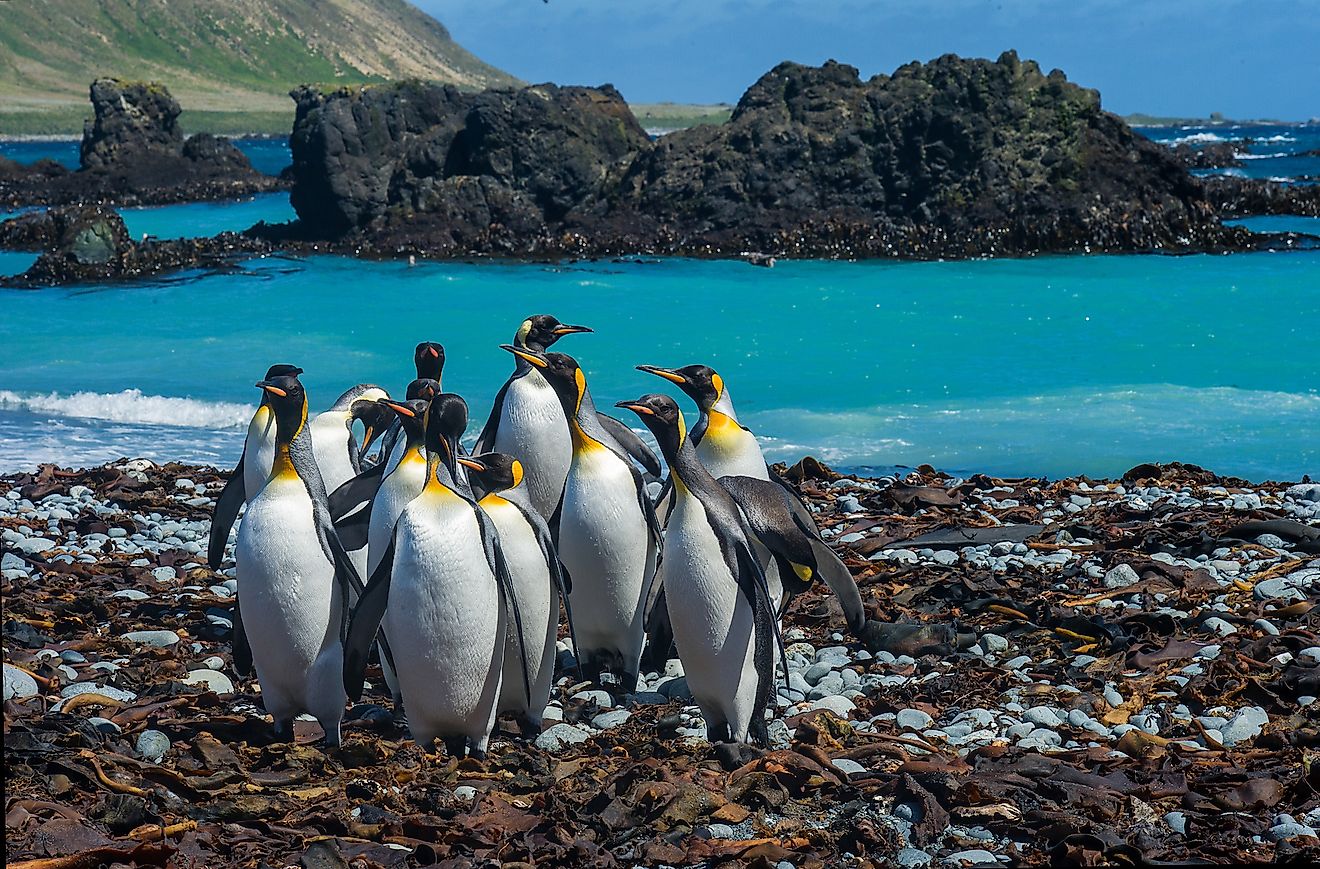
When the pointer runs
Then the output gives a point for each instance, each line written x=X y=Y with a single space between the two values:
x=1053 y=365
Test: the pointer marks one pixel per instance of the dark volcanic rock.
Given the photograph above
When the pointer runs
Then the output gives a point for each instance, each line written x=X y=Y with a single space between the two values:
x=1214 y=155
x=472 y=167
x=951 y=158
x=1241 y=197
x=86 y=243
x=133 y=153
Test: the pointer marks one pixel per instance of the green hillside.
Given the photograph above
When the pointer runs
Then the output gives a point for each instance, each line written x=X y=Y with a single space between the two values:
x=230 y=63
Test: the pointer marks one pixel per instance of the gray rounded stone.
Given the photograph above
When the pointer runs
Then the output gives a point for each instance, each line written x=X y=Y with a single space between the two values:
x=151 y=745
x=213 y=680
x=610 y=720
x=158 y=639
x=560 y=736
x=913 y=719
x=18 y=684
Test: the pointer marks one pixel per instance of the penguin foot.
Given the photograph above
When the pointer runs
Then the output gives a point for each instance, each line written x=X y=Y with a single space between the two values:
x=283 y=730
x=528 y=727
x=456 y=746
x=732 y=755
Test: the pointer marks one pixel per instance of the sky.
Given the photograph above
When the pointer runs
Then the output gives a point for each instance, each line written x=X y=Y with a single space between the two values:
x=1184 y=58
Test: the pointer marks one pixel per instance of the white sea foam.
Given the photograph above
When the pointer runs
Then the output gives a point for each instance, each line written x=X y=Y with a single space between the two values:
x=131 y=406
x=1282 y=137
x=1197 y=139
x=1262 y=156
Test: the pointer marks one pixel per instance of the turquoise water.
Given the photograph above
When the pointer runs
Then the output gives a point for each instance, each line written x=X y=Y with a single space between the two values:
x=266 y=154
x=207 y=218
x=1054 y=365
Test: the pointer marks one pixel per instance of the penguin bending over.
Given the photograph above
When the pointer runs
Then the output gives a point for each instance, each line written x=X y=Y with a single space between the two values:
x=538 y=585
x=605 y=530
x=729 y=449
x=337 y=452
x=724 y=619
x=442 y=583
x=526 y=421
x=351 y=502
x=294 y=577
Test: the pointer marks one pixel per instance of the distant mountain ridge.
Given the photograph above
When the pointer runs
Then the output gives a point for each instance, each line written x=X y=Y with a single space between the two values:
x=230 y=59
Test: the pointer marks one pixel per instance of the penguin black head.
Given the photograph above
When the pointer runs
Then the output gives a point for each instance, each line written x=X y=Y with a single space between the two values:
x=701 y=383
x=661 y=415
x=375 y=419
x=446 y=420
x=275 y=371
x=494 y=472
x=561 y=371
x=411 y=415
x=285 y=396
x=539 y=331
x=429 y=358
x=423 y=387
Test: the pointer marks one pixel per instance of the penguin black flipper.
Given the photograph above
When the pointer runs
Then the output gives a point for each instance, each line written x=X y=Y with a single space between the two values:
x=355 y=491
x=226 y=511
x=784 y=525
x=634 y=446
x=746 y=568
x=364 y=625
x=659 y=632
x=563 y=583
x=490 y=540
x=240 y=651
x=486 y=440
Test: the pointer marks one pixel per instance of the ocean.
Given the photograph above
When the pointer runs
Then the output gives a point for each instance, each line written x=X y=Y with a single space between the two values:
x=1048 y=366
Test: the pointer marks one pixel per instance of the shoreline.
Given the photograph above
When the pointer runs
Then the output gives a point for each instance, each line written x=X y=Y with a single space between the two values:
x=1068 y=628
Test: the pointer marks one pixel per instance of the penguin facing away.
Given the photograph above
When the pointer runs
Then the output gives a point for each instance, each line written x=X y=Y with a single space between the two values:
x=605 y=530
x=337 y=452
x=538 y=584
x=443 y=583
x=724 y=619
x=294 y=577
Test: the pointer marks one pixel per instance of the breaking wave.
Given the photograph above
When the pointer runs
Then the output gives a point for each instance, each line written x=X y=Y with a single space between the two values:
x=131 y=406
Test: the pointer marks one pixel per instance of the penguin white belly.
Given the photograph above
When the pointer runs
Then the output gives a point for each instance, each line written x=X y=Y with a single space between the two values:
x=291 y=606
x=605 y=544
x=259 y=452
x=446 y=613
x=396 y=492
x=330 y=444
x=538 y=604
x=711 y=619
x=533 y=430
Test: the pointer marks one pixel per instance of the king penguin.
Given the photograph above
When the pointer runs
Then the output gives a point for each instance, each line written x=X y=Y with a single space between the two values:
x=605 y=530
x=537 y=580
x=526 y=421
x=733 y=456
x=723 y=617
x=250 y=474
x=442 y=583
x=294 y=577
x=337 y=452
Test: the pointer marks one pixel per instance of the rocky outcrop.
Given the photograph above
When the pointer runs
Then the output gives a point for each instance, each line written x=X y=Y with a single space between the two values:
x=498 y=168
x=90 y=243
x=951 y=158
x=1214 y=155
x=133 y=153
x=1242 y=197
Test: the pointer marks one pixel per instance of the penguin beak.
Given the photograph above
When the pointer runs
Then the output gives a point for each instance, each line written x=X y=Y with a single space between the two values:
x=638 y=409
x=368 y=438
x=271 y=388
x=397 y=407
x=534 y=358
x=473 y=464
x=569 y=330
x=432 y=352
x=666 y=373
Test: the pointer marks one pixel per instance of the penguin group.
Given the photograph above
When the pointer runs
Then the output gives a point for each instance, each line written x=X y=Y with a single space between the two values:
x=453 y=566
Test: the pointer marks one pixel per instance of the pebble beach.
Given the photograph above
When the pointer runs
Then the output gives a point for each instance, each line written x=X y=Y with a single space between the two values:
x=1072 y=671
